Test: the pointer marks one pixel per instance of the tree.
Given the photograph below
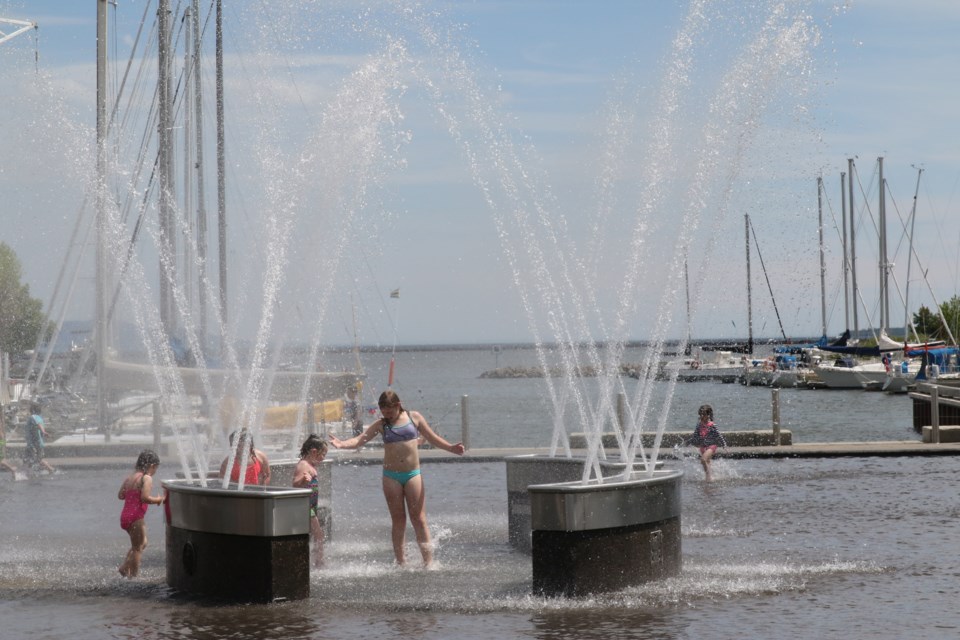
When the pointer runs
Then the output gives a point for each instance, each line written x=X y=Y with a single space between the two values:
x=928 y=323
x=21 y=316
x=931 y=324
x=951 y=314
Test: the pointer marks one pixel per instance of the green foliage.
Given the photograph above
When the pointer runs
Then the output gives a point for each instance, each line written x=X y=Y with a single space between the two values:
x=21 y=316
x=930 y=324
x=951 y=313
x=927 y=323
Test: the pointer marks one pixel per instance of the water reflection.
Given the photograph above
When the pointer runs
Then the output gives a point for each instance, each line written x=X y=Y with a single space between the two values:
x=267 y=622
x=560 y=625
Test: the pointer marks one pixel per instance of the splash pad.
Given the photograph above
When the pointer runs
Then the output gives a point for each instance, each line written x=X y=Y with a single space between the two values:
x=570 y=314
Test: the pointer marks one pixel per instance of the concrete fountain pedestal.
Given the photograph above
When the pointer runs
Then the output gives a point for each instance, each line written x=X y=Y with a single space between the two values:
x=531 y=469
x=604 y=535
x=242 y=546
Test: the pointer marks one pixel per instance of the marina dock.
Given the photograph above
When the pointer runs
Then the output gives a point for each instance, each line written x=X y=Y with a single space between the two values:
x=119 y=456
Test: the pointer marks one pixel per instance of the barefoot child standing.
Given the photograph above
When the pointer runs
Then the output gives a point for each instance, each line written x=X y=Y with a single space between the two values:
x=312 y=453
x=707 y=438
x=135 y=493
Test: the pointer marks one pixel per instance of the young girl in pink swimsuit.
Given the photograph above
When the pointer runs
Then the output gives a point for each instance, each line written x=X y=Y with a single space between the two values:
x=135 y=493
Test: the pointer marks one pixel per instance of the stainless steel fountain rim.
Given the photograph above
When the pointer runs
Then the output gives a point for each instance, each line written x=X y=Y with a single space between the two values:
x=249 y=491
x=256 y=511
x=607 y=504
x=536 y=469
x=608 y=483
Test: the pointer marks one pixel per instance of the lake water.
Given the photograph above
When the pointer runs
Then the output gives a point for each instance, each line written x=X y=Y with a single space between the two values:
x=810 y=548
x=516 y=412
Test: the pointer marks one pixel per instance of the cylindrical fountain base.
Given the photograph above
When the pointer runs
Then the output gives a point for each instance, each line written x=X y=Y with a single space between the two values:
x=530 y=469
x=605 y=536
x=240 y=546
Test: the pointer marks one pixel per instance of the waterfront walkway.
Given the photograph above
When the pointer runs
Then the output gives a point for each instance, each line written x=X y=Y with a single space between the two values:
x=102 y=457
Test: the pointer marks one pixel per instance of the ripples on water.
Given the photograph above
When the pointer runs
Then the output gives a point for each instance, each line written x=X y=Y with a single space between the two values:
x=816 y=547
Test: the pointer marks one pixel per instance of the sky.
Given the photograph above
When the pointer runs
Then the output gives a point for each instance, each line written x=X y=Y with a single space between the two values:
x=518 y=170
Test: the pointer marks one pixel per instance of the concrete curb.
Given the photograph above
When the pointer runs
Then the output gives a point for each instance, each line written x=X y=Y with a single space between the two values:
x=434 y=456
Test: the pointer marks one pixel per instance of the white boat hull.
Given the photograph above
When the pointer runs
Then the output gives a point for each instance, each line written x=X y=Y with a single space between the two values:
x=859 y=376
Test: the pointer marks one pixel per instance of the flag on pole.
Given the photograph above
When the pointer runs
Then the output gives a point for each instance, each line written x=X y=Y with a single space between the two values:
x=395 y=293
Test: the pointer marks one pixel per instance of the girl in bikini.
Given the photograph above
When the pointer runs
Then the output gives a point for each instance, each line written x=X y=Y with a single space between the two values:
x=135 y=493
x=402 y=482
x=312 y=453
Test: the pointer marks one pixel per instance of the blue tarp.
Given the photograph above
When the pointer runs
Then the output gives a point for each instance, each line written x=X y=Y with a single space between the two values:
x=940 y=356
x=822 y=343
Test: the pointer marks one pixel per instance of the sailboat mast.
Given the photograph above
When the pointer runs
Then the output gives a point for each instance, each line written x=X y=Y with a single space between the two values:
x=823 y=266
x=884 y=266
x=746 y=219
x=201 y=199
x=686 y=282
x=853 y=250
x=221 y=182
x=846 y=261
x=167 y=237
x=906 y=295
x=101 y=256
x=189 y=230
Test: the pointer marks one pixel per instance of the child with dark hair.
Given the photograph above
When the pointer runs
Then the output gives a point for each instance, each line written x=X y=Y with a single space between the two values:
x=257 y=471
x=707 y=438
x=135 y=493
x=305 y=476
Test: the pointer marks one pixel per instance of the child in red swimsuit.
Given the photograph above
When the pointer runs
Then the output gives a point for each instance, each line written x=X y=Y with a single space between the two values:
x=257 y=470
x=135 y=493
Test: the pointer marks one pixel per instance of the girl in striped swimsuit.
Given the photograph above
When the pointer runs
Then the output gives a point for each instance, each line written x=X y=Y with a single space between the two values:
x=707 y=438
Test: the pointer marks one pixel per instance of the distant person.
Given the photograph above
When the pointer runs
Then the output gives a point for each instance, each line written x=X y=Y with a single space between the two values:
x=258 y=466
x=352 y=412
x=312 y=453
x=3 y=447
x=135 y=493
x=707 y=438
x=34 y=433
x=402 y=482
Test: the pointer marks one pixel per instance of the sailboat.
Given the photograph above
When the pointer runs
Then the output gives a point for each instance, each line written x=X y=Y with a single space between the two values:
x=702 y=363
x=780 y=370
x=186 y=294
x=890 y=359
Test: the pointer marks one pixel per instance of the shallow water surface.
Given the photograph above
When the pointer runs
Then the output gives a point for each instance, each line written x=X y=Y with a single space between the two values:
x=860 y=547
